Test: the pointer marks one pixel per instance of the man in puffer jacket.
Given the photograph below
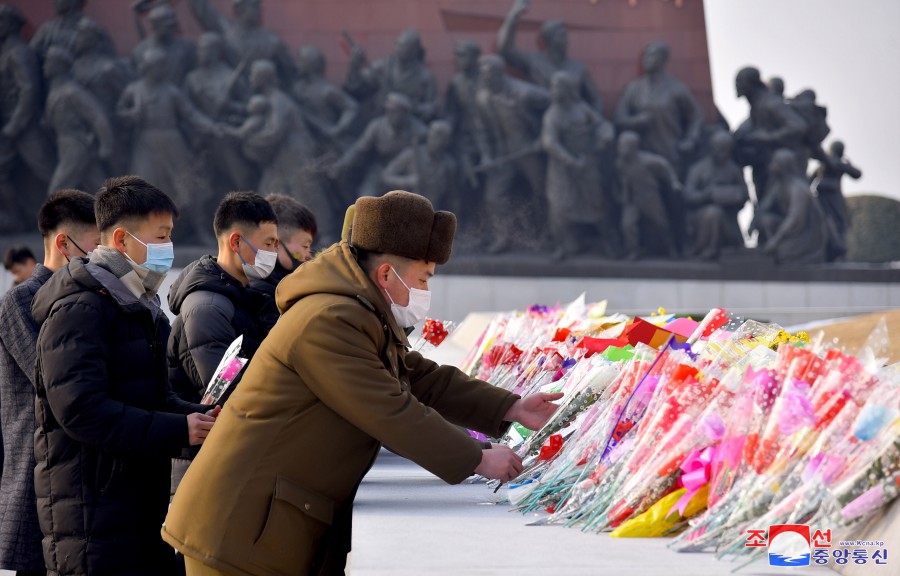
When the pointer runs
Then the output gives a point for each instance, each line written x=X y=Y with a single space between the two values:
x=214 y=304
x=107 y=424
x=212 y=300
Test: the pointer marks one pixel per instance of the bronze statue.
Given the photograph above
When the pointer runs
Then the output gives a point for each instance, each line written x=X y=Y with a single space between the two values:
x=329 y=110
x=105 y=75
x=826 y=182
x=790 y=222
x=776 y=85
x=181 y=54
x=97 y=67
x=538 y=67
x=404 y=72
x=508 y=138
x=84 y=136
x=428 y=170
x=59 y=30
x=277 y=139
x=384 y=138
x=645 y=179
x=461 y=111
x=573 y=134
x=772 y=125
x=220 y=92
x=814 y=116
x=661 y=109
x=158 y=111
x=21 y=138
x=245 y=38
x=714 y=193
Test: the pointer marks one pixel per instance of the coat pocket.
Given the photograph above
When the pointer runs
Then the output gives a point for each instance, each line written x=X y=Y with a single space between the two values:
x=295 y=527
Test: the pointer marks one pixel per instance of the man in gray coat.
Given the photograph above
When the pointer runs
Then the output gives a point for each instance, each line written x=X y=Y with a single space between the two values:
x=67 y=224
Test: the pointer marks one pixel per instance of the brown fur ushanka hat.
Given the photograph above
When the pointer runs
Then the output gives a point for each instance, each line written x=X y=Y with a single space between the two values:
x=403 y=224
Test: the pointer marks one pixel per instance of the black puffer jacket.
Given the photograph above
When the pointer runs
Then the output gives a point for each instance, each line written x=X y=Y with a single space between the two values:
x=107 y=426
x=213 y=308
x=270 y=313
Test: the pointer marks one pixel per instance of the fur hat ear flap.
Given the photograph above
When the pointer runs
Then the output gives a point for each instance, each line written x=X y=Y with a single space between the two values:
x=348 y=222
x=442 y=232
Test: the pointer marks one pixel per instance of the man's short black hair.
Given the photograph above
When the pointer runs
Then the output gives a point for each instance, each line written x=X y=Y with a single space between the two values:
x=242 y=208
x=18 y=254
x=129 y=197
x=292 y=216
x=66 y=206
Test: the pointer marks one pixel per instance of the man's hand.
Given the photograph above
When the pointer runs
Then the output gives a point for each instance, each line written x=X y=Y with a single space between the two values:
x=199 y=426
x=533 y=411
x=214 y=412
x=499 y=463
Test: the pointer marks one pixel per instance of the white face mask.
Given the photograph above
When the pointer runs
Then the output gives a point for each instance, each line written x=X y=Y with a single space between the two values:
x=419 y=302
x=263 y=266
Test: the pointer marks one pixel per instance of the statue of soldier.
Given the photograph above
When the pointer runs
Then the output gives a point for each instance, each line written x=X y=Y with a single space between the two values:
x=461 y=111
x=105 y=75
x=508 y=138
x=427 y=170
x=645 y=179
x=573 y=134
x=383 y=140
x=538 y=67
x=714 y=193
x=59 y=30
x=96 y=65
x=21 y=138
x=403 y=72
x=661 y=109
x=772 y=125
x=84 y=136
x=826 y=182
x=245 y=38
x=284 y=150
x=221 y=93
x=181 y=53
x=776 y=86
x=790 y=222
x=330 y=111
x=158 y=110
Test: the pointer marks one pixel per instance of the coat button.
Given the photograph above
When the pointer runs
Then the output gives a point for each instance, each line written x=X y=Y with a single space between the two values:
x=307 y=506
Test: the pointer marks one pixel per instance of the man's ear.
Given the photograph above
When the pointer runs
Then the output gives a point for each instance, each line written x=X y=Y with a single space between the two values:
x=382 y=273
x=118 y=237
x=234 y=241
x=61 y=243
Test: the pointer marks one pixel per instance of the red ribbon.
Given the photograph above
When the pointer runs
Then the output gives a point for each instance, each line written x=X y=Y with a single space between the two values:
x=551 y=447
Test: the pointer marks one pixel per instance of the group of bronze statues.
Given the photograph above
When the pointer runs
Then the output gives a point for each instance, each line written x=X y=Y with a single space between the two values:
x=518 y=147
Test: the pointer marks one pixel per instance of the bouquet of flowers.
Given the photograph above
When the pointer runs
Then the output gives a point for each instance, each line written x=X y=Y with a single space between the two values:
x=226 y=372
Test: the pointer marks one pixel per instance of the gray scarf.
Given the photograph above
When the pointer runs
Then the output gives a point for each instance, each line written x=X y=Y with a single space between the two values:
x=141 y=282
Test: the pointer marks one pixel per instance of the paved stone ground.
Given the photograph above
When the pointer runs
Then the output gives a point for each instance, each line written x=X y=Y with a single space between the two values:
x=408 y=522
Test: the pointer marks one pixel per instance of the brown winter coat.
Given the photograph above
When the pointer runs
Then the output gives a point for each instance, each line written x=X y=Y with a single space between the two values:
x=271 y=491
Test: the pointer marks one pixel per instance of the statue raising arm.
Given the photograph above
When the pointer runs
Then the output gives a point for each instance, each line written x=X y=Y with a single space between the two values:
x=506 y=38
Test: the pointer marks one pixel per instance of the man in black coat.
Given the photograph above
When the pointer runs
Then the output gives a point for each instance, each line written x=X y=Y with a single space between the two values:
x=211 y=298
x=107 y=421
x=297 y=231
x=66 y=222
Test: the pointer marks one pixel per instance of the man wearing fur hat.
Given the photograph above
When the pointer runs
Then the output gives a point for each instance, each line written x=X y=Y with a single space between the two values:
x=272 y=492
